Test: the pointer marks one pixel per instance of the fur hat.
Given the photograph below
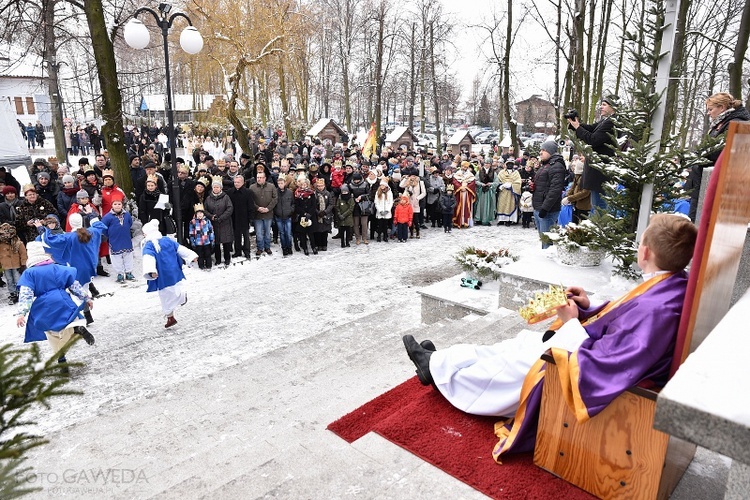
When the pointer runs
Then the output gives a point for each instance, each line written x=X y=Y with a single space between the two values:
x=75 y=220
x=68 y=178
x=52 y=217
x=28 y=187
x=35 y=253
x=549 y=146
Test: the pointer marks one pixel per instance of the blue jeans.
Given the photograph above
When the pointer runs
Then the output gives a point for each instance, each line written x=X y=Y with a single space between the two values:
x=263 y=233
x=543 y=224
x=285 y=231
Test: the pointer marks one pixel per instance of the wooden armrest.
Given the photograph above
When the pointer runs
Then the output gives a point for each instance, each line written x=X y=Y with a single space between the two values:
x=639 y=391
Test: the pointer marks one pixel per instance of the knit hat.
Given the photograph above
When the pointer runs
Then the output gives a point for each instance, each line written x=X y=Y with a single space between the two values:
x=9 y=189
x=35 y=253
x=53 y=217
x=28 y=187
x=82 y=194
x=68 y=178
x=43 y=175
x=549 y=146
x=75 y=220
x=357 y=176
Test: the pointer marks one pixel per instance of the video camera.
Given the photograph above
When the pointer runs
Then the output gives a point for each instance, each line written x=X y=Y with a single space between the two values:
x=572 y=114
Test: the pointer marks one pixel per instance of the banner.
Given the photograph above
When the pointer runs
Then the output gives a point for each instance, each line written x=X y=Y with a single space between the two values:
x=369 y=148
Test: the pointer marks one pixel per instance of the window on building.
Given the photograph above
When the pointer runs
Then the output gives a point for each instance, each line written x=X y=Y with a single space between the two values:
x=30 y=105
x=19 y=105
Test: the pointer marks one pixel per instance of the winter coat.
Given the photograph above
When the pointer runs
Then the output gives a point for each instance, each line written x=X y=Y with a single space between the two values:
x=9 y=211
x=323 y=218
x=416 y=192
x=447 y=204
x=12 y=254
x=602 y=139
x=48 y=192
x=118 y=231
x=384 y=205
x=285 y=205
x=110 y=194
x=264 y=196
x=526 y=202
x=201 y=232
x=147 y=208
x=549 y=184
x=403 y=214
x=242 y=207
x=92 y=189
x=740 y=114
x=580 y=198
x=359 y=190
x=344 y=211
x=219 y=211
x=65 y=198
x=434 y=186
x=30 y=211
x=304 y=205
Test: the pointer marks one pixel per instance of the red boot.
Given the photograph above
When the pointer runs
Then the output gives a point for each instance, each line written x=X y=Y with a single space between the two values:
x=170 y=321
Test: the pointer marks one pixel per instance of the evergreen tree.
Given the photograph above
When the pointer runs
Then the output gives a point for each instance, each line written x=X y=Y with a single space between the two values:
x=640 y=160
x=26 y=380
x=484 y=118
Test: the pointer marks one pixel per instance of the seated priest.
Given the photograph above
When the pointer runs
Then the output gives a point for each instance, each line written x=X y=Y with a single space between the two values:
x=600 y=351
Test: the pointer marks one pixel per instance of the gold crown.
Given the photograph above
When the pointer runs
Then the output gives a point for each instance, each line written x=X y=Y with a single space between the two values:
x=108 y=173
x=198 y=207
x=152 y=178
x=217 y=179
x=543 y=305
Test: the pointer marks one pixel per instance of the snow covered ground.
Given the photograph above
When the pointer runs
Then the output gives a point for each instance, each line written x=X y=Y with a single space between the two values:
x=236 y=314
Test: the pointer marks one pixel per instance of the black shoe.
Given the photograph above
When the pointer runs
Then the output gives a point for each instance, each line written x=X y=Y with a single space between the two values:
x=422 y=226
x=268 y=251
x=305 y=251
x=315 y=250
x=427 y=344
x=101 y=272
x=85 y=334
x=297 y=248
x=380 y=238
x=89 y=317
x=420 y=357
x=236 y=255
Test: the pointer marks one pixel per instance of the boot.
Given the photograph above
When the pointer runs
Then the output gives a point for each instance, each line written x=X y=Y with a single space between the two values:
x=89 y=317
x=2 y=283
x=315 y=250
x=120 y=278
x=296 y=246
x=84 y=333
x=93 y=290
x=304 y=249
x=170 y=322
x=129 y=277
x=100 y=271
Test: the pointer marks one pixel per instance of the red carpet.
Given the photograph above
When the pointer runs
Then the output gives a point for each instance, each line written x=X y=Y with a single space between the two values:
x=422 y=422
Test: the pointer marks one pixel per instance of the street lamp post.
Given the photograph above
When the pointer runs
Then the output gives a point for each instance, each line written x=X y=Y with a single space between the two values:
x=137 y=36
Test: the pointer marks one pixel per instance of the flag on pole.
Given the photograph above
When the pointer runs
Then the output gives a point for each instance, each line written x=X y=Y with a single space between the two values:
x=368 y=149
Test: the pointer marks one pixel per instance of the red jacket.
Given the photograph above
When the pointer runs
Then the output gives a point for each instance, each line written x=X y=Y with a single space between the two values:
x=337 y=178
x=403 y=214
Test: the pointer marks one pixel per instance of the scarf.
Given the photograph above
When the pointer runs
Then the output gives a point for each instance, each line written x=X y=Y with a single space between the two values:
x=720 y=118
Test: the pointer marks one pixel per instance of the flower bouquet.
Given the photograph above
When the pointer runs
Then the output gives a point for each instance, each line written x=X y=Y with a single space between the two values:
x=484 y=263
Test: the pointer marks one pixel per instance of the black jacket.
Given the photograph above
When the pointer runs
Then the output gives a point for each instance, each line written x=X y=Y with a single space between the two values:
x=242 y=201
x=285 y=206
x=601 y=136
x=549 y=184
x=740 y=114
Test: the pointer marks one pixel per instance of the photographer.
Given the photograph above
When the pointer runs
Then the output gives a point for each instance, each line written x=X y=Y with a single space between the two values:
x=602 y=138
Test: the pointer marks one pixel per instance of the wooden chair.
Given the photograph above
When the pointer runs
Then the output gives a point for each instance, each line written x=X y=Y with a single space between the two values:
x=617 y=453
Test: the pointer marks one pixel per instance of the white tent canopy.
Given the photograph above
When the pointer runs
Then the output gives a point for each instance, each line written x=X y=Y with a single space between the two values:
x=13 y=150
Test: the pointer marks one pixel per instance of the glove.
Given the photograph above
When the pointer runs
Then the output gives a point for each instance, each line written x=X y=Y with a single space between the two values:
x=321 y=213
x=507 y=185
x=565 y=201
x=542 y=213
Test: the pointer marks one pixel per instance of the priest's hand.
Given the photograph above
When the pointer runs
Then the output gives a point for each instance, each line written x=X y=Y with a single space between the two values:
x=568 y=311
x=578 y=295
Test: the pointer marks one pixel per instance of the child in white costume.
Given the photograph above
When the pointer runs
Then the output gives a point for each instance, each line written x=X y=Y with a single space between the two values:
x=162 y=267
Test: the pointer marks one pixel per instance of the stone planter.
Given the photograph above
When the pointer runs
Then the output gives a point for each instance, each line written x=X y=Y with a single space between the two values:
x=579 y=256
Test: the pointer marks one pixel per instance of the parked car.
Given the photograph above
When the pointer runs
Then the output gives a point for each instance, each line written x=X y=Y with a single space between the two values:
x=426 y=140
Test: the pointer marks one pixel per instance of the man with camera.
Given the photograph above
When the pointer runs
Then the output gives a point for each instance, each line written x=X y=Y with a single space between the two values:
x=602 y=138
